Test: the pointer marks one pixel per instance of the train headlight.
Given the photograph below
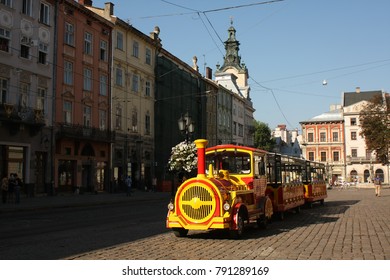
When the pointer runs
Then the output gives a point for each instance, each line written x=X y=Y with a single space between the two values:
x=171 y=206
x=226 y=206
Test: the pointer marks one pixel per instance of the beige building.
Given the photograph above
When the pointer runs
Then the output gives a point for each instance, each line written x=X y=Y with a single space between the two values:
x=133 y=98
x=361 y=163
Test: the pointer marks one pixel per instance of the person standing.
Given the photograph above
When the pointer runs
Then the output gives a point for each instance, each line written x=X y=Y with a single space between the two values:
x=4 y=189
x=11 y=188
x=18 y=186
x=128 y=185
x=154 y=184
x=378 y=185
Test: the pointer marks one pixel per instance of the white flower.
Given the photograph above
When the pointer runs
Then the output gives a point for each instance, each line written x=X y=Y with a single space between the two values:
x=183 y=157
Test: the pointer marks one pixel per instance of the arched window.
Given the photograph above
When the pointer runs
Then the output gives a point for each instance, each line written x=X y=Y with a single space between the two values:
x=366 y=175
x=379 y=172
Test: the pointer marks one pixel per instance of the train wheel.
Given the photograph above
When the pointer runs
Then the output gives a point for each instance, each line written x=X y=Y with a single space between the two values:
x=281 y=215
x=236 y=234
x=180 y=232
x=298 y=209
x=310 y=205
x=322 y=202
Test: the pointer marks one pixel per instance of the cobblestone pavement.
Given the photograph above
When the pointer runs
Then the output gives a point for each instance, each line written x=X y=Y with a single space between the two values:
x=354 y=224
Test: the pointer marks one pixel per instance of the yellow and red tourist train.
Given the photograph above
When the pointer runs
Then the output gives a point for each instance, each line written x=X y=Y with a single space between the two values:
x=238 y=185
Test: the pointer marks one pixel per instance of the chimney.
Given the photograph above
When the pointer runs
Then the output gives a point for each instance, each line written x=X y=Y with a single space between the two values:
x=85 y=2
x=108 y=9
x=201 y=146
x=357 y=89
x=209 y=73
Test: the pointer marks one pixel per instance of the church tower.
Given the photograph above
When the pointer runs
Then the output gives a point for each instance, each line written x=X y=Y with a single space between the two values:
x=233 y=75
x=232 y=62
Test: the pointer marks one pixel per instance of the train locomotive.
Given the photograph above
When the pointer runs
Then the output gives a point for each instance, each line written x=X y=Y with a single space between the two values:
x=235 y=186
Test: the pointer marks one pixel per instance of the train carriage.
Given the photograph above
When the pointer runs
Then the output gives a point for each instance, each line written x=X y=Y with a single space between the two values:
x=315 y=183
x=285 y=186
x=238 y=185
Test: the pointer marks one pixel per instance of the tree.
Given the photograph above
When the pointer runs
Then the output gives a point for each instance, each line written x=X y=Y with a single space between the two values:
x=375 y=126
x=263 y=139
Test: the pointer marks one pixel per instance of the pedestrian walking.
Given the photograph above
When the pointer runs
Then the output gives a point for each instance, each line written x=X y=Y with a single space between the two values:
x=128 y=185
x=4 y=189
x=378 y=185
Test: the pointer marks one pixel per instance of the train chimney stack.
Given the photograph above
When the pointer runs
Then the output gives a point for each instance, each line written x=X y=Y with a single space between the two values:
x=201 y=146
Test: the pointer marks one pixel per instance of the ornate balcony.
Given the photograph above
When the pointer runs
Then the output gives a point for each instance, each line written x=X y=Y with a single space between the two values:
x=84 y=133
x=13 y=116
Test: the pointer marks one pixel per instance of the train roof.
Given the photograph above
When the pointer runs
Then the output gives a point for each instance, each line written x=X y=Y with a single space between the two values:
x=231 y=146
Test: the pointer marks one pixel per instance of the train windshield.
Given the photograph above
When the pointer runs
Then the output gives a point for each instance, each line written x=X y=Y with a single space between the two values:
x=233 y=161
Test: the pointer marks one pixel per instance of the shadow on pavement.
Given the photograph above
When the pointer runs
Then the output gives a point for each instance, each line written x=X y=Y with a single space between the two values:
x=329 y=213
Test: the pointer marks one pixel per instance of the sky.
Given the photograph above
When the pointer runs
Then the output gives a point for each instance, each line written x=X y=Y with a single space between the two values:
x=290 y=47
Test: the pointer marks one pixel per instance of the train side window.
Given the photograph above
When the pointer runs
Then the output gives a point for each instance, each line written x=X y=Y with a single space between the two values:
x=261 y=168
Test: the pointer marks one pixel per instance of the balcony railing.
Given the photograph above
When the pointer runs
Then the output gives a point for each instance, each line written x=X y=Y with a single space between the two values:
x=351 y=160
x=13 y=113
x=84 y=132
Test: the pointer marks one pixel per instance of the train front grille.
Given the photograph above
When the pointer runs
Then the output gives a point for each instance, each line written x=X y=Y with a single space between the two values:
x=197 y=203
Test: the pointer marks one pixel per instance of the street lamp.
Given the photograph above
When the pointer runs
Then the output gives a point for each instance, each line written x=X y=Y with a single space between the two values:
x=186 y=125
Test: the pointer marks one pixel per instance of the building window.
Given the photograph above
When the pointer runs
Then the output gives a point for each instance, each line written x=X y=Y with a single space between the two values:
x=353 y=122
x=311 y=156
x=119 y=77
x=134 y=84
x=67 y=112
x=4 y=40
x=44 y=14
x=323 y=156
x=25 y=44
x=119 y=40
x=41 y=97
x=336 y=156
x=68 y=72
x=322 y=136
x=353 y=135
x=135 y=49
x=335 y=136
x=103 y=85
x=240 y=130
x=103 y=50
x=147 y=88
x=27 y=7
x=118 y=117
x=88 y=43
x=6 y=2
x=354 y=153
x=87 y=79
x=3 y=90
x=102 y=119
x=234 y=128
x=368 y=154
x=148 y=56
x=134 y=120
x=147 y=124
x=87 y=116
x=69 y=34
x=42 y=53
x=24 y=90
x=310 y=137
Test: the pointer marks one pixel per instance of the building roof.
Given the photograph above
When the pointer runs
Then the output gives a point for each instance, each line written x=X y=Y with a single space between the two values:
x=350 y=98
x=331 y=116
